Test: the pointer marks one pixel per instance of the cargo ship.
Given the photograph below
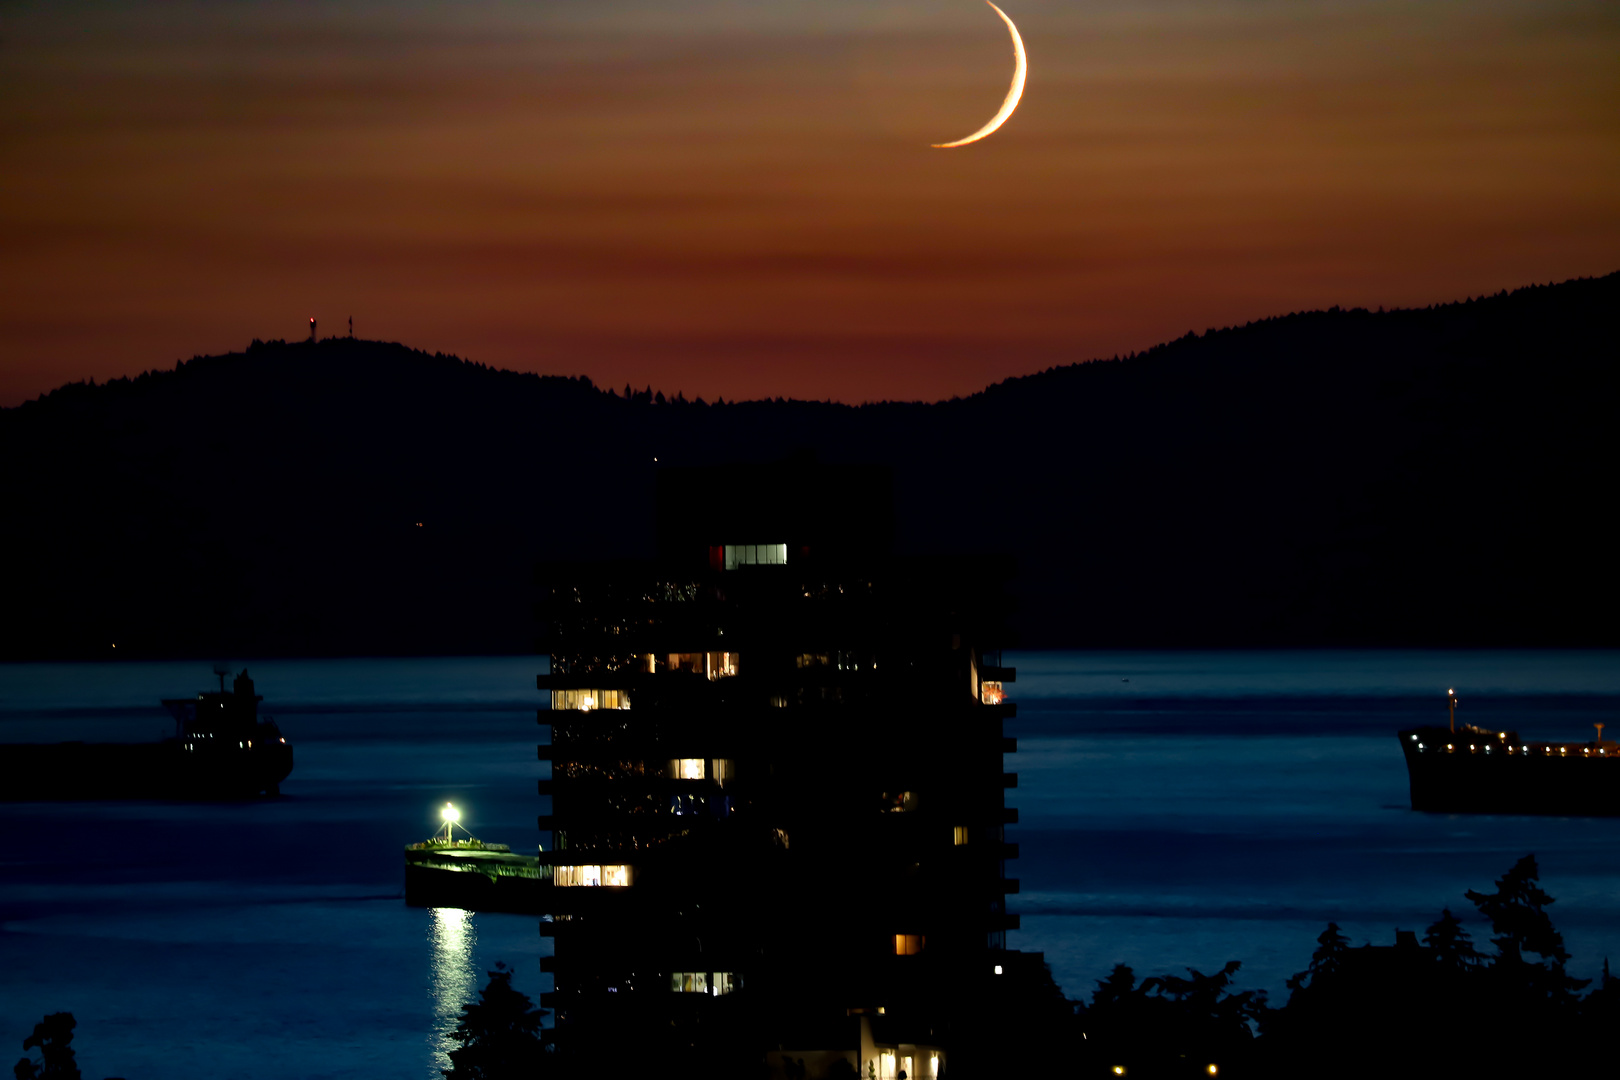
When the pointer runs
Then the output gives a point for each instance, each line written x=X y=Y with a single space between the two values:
x=220 y=750
x=1461 y=768
x=446 y=871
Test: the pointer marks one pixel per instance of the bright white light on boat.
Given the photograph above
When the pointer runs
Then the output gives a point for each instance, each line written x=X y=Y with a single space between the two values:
x=450 y=813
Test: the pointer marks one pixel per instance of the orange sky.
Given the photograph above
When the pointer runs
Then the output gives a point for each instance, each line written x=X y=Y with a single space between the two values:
x=739 y=198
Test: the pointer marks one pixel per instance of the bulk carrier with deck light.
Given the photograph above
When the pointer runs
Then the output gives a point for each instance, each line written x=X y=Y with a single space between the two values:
x=1462 y=768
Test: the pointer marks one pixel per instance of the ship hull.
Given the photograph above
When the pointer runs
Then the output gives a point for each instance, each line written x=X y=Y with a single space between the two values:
x=475 y=881
x=1463 y=781
x=87 y=771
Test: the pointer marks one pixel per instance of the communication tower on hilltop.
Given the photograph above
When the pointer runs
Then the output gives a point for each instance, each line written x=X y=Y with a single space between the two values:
x=312 y=330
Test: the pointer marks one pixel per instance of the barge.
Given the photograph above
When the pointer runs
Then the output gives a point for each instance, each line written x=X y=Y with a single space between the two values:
x=468 y=873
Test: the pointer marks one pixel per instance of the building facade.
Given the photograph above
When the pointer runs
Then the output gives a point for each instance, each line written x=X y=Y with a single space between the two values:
x=777 y=812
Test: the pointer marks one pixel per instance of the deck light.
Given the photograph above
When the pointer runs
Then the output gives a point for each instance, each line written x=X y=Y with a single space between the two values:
x=450 y=815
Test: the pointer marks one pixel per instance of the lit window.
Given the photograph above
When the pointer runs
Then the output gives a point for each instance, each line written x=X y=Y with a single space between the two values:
x=961 y=835
x=587 y=700
x=713 y=665
x=689 y=982
x=899 y=802
x=909 y=944
x=686 y=768
x=722 y=769
x=991 y=694
x=755 y=555
x=704 y=982
x=591 y=875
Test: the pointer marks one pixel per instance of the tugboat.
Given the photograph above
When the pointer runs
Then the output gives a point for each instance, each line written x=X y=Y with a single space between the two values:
x=1466 y=769
x=467 y=873
x=220 y=749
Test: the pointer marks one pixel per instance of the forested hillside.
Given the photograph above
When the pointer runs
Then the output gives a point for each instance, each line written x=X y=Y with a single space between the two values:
x=1436 y=476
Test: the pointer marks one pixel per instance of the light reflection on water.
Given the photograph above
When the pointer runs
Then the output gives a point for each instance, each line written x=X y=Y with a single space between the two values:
x=454 y=936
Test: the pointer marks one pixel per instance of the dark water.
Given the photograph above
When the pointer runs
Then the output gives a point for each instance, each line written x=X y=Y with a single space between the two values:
x=1213 y=807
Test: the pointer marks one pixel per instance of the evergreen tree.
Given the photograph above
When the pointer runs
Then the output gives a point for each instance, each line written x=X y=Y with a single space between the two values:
x=52 y=1037
x=1326 y=962
x=1450 y=943
x=1517 y=911
x=500 y=1035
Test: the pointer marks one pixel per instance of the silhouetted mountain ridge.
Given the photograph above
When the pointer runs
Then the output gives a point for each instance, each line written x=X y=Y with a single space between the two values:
x=1419 y=476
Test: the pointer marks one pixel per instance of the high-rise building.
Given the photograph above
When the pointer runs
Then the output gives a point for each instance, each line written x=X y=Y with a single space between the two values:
x=777 y=795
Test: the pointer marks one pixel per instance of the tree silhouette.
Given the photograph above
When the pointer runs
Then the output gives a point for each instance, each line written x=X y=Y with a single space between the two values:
x=500 y=1034
x=1327 y=961
x=52 y=1037
x=1517 y=911
x=1450 y=943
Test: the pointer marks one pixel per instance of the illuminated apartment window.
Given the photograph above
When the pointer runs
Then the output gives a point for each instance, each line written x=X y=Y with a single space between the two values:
x=712 y=665
x=689 y=982
x=899 y=802
x=586 y=700
x=909 y=944
x=691 y=662
x=961 y=835
x=693 y=768
x=991 y=694
x=591 y=875
x=808 y=659
x=686 y=768
x=755 y=555
x=704 y=982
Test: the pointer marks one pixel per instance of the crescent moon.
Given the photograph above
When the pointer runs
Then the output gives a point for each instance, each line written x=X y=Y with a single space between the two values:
x=1015 y=92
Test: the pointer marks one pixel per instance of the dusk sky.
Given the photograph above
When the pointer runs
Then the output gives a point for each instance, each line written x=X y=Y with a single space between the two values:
x=739 y=198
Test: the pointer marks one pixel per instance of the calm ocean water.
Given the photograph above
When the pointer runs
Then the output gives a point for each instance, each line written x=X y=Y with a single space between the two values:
x=1177 y=809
